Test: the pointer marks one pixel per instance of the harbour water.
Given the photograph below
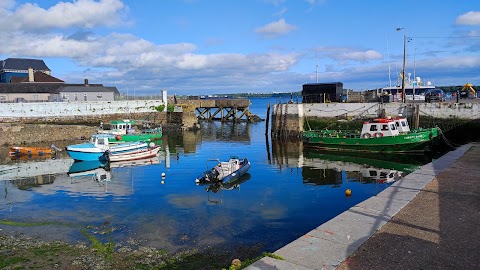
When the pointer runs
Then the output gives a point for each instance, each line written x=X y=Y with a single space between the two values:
x=287 y=192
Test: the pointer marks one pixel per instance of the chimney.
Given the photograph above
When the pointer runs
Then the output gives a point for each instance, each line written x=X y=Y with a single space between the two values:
x=30 y=75
x=86 y=82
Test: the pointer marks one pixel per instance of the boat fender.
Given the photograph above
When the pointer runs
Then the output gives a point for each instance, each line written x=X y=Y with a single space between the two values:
x=378 y=134
x=366 y=135
x=118 y=137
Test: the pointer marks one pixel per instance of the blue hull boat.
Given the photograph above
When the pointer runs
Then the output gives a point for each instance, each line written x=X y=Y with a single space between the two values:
x=99 y=145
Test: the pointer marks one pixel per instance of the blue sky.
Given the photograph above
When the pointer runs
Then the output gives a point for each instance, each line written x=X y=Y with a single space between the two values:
x=218 y=46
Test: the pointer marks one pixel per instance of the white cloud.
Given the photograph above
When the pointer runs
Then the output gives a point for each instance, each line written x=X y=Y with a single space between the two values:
x=315 y=2
x=80 y=13
x=343 y=54
x=469 y=18
x=275 y=29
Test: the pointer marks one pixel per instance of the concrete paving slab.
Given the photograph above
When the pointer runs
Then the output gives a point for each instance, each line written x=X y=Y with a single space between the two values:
x=381 y=206
x=349 y=228
x=315 y=253
x=399 y=193
x=268 y=263
x=415 y=177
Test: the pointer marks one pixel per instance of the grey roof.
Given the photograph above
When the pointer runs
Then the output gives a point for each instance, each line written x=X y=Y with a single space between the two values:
x=52 y=88
x=23 y=64
x=84 y=88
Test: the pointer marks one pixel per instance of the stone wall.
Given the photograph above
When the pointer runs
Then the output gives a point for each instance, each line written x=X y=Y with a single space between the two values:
x=74 y=109
x=20 y=134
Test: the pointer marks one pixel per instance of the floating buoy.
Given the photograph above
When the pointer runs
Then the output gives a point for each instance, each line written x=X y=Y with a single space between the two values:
x=162 y=182
x=236 y=262
x=348 y=192
x=163 y=175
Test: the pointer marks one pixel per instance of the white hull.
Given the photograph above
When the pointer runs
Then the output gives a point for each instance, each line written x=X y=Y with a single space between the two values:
x=133 y=155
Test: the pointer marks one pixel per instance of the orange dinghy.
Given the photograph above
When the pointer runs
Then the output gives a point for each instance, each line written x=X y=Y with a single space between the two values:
x=25 y=150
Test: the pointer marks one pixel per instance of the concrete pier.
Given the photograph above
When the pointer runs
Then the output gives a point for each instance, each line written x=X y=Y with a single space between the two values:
x=427 y=220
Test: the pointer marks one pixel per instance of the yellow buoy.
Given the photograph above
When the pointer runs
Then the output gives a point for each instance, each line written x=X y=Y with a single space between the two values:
x=348 y=192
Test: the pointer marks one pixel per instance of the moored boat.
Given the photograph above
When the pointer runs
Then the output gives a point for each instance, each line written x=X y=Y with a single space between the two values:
x=379 y=135
x=29 y=150
x=98 y=145
x=133 y=155
x=124 y=131
x=224 y=171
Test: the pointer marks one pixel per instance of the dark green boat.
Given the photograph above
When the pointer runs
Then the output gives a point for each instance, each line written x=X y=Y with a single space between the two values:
x=123 y=131
x=378 y=135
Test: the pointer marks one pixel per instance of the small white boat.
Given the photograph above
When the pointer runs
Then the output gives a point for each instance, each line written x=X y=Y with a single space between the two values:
x=133 y=155
x=224 y=171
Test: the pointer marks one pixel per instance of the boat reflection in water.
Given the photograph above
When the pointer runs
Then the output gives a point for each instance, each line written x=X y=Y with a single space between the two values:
x=101 y=171
x=215 y=187
x=338 y=167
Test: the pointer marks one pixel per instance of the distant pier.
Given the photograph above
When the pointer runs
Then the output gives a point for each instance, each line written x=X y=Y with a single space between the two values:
x=220 y=109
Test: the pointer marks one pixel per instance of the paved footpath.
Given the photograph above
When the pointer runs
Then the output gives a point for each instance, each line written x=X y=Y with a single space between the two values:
x=430 y=219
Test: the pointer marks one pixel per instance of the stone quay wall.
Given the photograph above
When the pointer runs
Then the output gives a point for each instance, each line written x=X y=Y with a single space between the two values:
x=21 y=134
x=55 y=110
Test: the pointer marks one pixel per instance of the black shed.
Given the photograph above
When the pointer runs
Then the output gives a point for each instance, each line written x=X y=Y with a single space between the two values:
x=322 y=92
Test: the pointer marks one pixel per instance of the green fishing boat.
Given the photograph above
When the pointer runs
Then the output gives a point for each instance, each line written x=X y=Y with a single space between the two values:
x=379 y=135
x=125 y=132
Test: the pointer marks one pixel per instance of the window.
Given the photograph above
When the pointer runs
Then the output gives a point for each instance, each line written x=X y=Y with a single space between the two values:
x=393 y=127
x=373 y=128
x=384 y=127
x=99 y=95
x=65 y=96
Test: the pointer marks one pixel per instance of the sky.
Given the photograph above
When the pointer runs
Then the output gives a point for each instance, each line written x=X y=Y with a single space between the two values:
x=197 y=47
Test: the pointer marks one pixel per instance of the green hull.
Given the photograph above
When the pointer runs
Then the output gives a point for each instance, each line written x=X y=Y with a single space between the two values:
x=400 y=162
x=416 y=141
x=136 y=137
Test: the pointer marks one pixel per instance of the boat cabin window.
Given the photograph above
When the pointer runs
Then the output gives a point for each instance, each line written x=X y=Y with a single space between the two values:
x=384 y=127
x=393 y=127
x=373 y=128
x=373 y=173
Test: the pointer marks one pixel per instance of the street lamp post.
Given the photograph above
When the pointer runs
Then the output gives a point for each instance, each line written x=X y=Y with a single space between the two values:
x=404 y=60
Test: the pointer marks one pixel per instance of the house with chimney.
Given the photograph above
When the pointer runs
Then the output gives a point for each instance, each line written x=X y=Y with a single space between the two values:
x=30 y=80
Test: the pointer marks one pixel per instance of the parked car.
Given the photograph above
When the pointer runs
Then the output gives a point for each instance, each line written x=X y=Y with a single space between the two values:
x=435 y=95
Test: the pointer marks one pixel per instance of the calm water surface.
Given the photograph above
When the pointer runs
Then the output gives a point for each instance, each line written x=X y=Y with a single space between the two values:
x=287 y=192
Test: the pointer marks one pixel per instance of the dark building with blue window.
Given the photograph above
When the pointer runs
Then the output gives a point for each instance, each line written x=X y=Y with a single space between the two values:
x=12 y=69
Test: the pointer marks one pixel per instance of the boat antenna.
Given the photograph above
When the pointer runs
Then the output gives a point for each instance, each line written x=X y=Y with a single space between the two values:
x=388 y=59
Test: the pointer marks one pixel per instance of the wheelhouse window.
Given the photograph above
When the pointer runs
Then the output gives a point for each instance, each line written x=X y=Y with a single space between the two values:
x=373 y=128
x=384 y=127
x=393 y=127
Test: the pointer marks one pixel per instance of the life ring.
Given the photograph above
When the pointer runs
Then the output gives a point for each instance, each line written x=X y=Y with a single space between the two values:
x=118 y=137
x=366 y=135
x=378 y=135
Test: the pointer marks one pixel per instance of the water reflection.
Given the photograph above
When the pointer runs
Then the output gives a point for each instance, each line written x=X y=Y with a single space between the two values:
x=287 y=191
x=336 y=167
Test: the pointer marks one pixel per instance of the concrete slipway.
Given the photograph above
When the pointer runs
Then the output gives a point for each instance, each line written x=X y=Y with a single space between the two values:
x=430 y=219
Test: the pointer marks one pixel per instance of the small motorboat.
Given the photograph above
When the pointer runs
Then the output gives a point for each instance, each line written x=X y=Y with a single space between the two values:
x=224 y=171
x=133 y=155
x=31 y=151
